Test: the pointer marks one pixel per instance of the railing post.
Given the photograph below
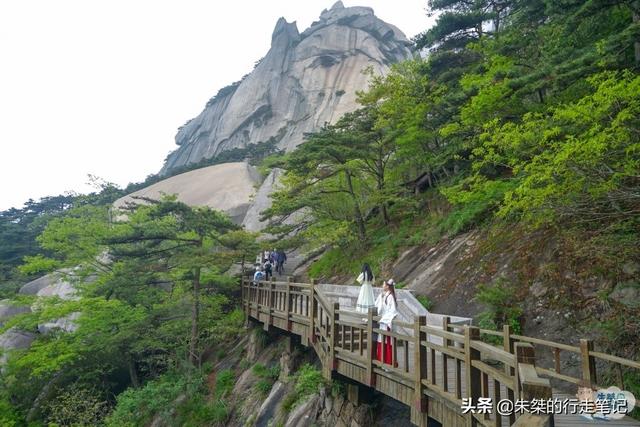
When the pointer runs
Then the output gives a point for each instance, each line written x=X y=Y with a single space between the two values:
x=314 y=310
x=287 y=306
x=532 y=386
x=269 y=304
x=507 y=343
x=445 y=343
x=246 y=289
x=525 y=353
x=370 y=349
x=472 y=333
x=420 y=360
x=588 y=362
x=334 y=335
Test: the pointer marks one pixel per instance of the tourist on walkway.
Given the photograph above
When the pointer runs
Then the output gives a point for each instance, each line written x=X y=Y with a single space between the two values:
x=365 y=297
x=387 y=306
x=258 y=275
x=281 y=258
x=268 y=269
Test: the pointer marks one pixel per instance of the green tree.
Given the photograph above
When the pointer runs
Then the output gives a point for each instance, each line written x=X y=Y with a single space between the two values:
x=179 y=240
x=323 y=176
x=144 y=285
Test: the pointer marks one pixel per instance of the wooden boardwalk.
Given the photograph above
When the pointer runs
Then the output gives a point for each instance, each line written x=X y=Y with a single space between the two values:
x=434 y=363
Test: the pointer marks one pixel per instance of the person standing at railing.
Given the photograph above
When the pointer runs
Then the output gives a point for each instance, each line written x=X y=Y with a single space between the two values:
x=387 y=306
x=365 y=297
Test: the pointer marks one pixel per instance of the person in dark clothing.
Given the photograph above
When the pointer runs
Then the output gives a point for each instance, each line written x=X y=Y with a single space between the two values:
x=268 y=269
x=281 y=258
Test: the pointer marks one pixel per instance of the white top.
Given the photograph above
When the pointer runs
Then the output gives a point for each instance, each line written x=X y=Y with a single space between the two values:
x=387 y=310
x=362 y=280
x=365 y=297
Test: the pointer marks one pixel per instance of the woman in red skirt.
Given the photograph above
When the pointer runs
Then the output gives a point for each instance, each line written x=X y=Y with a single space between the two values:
x=386 y=304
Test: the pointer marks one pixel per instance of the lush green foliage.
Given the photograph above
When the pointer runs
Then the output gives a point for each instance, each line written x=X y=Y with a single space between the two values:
x=153 y=305
x=425 y=301
x=523 y=113
x=20 y=227
x=157 y=398
x=225 y=381
x=307 y=380
x=267 y=376
x=502 y=306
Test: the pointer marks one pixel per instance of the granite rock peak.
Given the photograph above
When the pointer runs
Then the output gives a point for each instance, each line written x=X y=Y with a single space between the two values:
x=304 y=81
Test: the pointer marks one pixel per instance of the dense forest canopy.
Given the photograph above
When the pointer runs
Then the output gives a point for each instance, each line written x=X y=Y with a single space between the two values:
x=521 y=114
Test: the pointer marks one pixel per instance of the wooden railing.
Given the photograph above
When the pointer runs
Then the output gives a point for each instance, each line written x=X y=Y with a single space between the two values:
x=447 y=365
x=589 y=359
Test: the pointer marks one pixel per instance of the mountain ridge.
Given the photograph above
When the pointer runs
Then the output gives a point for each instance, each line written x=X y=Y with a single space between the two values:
x=312 y=78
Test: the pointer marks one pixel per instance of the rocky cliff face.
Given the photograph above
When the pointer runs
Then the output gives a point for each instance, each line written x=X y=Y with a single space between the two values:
x=305 y=80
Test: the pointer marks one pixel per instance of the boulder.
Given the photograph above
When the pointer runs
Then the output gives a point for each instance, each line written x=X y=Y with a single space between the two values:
x=66 y=324
x=35 y=286
x=54 y=284
x=305 y=414
x=14 y=339
x=627 y=293
x=8 y=309
x=269 y=407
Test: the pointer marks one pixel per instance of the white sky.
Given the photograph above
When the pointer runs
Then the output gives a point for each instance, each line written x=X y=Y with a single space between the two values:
x=100 y=87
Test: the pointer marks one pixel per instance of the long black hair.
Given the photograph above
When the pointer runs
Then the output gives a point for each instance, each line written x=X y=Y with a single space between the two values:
x=392 y=291
x=366 y=272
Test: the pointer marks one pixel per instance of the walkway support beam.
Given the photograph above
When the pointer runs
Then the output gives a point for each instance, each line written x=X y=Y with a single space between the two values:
x=421 y=405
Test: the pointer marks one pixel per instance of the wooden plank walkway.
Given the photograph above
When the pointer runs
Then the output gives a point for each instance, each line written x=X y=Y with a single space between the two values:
x=434 y=362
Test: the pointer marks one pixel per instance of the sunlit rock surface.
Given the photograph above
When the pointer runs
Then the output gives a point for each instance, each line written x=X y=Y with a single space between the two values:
x=228 y=187
x=262 y=201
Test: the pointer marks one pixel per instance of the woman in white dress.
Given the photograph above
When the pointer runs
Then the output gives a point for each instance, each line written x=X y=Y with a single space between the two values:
x=387 y=306
x=365 y=297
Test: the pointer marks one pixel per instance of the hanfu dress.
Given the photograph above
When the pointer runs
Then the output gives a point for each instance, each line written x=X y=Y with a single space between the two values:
x=387 y=310
x=365 y=297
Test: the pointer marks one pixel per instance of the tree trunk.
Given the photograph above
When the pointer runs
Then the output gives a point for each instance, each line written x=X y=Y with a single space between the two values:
x=636 y=19
x=133 y=373
x=385 y=214
x=383 y=205
x=356 y=208
x=380 y=179
x=195 y=315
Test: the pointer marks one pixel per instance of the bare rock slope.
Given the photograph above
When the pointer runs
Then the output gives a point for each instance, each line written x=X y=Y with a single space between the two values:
x=305 y=80
x=228 y=187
